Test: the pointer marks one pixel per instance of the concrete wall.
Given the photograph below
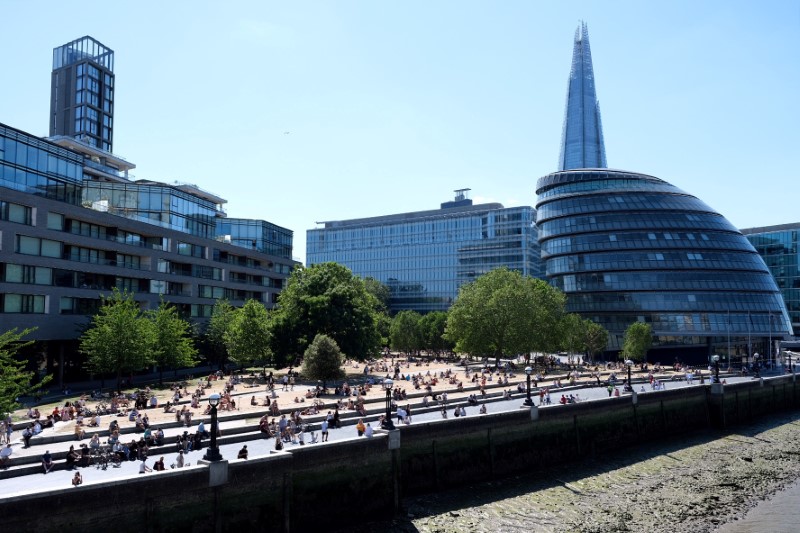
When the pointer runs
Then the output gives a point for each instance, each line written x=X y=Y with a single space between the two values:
x=319 y=487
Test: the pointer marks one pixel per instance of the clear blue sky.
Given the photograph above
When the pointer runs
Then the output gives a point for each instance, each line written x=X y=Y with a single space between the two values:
x=392 y=105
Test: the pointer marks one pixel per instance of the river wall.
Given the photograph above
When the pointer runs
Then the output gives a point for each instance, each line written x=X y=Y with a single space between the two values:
x=322 y=487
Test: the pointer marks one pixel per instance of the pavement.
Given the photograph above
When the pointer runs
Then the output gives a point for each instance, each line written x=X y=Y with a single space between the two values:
x=243 y=422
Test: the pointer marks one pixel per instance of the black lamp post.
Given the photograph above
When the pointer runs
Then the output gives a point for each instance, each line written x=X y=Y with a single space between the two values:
x=213 y=451
x=528 y=372
x=629 y=364
x=715 y=359
x=387 y=421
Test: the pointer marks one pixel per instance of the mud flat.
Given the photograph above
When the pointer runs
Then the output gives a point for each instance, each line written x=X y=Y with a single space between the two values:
x=694 y=484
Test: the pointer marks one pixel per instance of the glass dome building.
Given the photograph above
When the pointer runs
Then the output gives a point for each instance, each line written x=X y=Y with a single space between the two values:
x=629 y=247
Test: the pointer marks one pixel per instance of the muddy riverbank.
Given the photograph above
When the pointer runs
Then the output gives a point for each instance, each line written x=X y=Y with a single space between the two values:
x=693 y=484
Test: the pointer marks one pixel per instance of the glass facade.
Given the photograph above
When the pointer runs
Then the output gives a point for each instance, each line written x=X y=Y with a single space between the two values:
x=154 y=203
x=82 y=92
x=582 y=143
x=256 y=235
x=779 y=246
x=38 y=167
x=424 y=257
x=629 y=247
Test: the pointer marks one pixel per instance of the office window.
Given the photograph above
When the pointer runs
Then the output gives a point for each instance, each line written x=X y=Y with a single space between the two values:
x=55 y=221
x=21 y=214
x=23 y=303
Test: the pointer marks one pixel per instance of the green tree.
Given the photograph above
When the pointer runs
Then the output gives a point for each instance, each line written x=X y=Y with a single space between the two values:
x=326 y=298
x=323 y=360
x=638 y=339
x=119 y=338
x=248 y=338
x=381 y=293
x=595 y=337
x=573 y=335
x=504 y=313
x=432 y=327
x=173 y=347
x=405 y=331
x=218 y=325
x=14 y=380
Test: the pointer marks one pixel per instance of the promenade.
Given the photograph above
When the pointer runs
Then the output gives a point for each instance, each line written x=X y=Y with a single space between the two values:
x=240 y=426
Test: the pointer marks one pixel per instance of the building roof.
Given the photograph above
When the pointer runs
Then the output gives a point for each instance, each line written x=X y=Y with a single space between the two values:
x=771 y=229
x=414 y=216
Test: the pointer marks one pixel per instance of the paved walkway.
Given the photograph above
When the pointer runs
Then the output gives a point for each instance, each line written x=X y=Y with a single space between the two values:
x=258 y=446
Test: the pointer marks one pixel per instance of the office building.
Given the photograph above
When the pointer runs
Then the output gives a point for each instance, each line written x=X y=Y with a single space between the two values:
x=74 y=225
x=425 y=256
x=779 y=246
x=82 y=93
x=628 y=247
x=582 y=143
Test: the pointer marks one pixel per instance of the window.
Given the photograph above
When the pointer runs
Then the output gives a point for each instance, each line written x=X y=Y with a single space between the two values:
x=21 y=214
x=23 y=303
x=55 y=221
x=31 y=275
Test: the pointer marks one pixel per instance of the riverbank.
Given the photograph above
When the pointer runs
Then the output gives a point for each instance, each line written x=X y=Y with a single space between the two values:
x=694 y=484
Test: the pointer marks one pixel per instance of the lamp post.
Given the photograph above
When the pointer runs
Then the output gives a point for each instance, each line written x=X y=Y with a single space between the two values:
x=629 y=364
x=213 y=451
x=528 y=372
x=715 y=359
x=387 y=421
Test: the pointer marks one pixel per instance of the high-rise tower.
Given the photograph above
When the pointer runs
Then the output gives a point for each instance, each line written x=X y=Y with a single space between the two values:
x=582 y=138
x=82 y=93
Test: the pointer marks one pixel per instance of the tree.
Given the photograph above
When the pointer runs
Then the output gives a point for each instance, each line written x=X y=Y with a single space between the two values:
x=248 y=338
x=405 y=331
x=381 y=293
x=323 y=360
x=218 y=326
x=573 y=335
x=173 y=346
x=119 y=338
x=326 y=298
x=432 y=327
x=595 y=337
x=638 y=339
x=504 y=313
x=14 y=380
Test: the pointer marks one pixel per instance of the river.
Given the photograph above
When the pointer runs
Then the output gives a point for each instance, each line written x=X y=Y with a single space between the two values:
x=701 y=483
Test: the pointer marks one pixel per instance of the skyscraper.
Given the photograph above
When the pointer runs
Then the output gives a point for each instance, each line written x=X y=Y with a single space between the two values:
x=582 y=138
x=82 y=93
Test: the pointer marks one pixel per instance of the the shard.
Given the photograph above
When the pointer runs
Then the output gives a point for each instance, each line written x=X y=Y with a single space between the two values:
x=582 y=138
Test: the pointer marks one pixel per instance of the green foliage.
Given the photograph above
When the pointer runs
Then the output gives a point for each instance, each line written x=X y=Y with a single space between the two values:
x=638 y=339
x=503 y=313
x=14 y=380
x=248 y=338
x=326 y=298
x=432 y=327
x=381 y=293
x=173 y=347
x=405 y=331
x=573 y=334
x=218 y=326
x=119 y=339
x=323 y=360
x=595 y=337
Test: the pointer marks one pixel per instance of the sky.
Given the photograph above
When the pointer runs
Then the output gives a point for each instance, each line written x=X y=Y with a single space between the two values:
x=301 y=112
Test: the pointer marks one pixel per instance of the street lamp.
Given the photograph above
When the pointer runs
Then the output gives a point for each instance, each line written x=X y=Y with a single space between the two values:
x=213 y=451
x=528 y=372
x=715 y=359
x=387 y=421
x=629 y=364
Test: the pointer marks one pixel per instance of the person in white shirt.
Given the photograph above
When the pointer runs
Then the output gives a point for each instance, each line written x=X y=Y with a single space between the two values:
x=5 y=455
x=369 y=431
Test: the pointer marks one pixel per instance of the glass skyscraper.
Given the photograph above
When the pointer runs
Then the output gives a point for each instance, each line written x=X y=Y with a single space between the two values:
x=582 y=137
x=627 y=247
x=82 y=93
x=780 y=248
x=425 y=256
